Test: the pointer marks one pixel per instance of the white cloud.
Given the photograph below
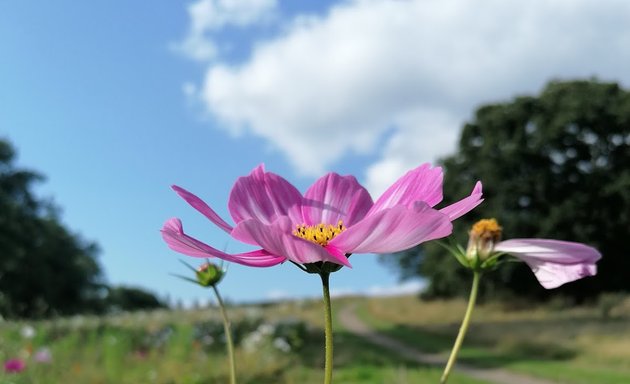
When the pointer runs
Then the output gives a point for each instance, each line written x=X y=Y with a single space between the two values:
x=210 y=16
x=422 y=135
x=339 y=83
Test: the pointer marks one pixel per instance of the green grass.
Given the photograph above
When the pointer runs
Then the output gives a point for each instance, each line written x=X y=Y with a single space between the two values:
x=360 y=362
x=174 y=347
x=572 y=345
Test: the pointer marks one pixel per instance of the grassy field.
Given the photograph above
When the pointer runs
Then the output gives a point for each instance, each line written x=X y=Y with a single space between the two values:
x=275 y=344
x=553 y=341
x=283 y=344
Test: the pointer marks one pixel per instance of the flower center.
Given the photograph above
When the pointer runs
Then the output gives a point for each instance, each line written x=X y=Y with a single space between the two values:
x=320 y=233
x=483 y=236
x=486 y=230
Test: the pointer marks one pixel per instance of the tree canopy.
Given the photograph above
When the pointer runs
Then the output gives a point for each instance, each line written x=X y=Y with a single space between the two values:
x=45 y=269
x=124 y=298
x=556 y=165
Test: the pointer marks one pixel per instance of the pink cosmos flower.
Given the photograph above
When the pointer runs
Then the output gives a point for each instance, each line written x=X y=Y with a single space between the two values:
x=554 y=262
x=334 y=218
x=14 y=366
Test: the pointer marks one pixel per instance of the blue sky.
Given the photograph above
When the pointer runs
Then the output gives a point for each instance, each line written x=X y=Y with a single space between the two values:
x=115 y=101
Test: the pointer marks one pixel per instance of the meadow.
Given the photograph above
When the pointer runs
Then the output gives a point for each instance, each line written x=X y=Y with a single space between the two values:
x=282 y=343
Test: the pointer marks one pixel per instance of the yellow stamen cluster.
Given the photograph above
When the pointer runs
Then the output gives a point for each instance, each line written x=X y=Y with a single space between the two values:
x=483 y=236
x=486 y=229
x=320 y=233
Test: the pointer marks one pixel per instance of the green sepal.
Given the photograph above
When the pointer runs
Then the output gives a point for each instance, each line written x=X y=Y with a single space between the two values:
x=188 y=266
x=492 y=262
x=186 y=278
x=320 y=267
x=457 y=251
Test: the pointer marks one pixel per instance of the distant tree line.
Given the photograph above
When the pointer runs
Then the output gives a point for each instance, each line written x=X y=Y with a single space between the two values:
x=556 y=165
x=45 y=269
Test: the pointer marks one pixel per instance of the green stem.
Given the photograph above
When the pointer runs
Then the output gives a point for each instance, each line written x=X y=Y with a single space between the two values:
x=463 y=328
x=228 y=336
x=328 y=367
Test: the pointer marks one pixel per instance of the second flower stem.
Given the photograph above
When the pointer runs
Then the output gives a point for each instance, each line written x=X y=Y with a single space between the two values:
x=463 y=328
x=228 y=336
x=328 y=365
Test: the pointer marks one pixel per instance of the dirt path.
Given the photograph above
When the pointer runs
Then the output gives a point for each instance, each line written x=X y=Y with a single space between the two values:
x=353 y=324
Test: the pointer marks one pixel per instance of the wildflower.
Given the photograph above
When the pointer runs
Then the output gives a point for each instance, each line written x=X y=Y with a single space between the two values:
x=554 y=262
x=319 y=230
x=333 y=219
x=27 y=332
x=43 y=355
x=14 y=366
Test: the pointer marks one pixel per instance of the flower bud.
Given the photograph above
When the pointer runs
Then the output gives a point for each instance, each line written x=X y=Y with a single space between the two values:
x=209 y=274
x=483 y=236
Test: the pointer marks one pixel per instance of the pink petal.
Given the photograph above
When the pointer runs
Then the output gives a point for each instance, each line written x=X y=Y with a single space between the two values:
x=174 y=236
x=421 y=184
x=332 y=198
x=393 y=230
x=278 y=239
x=202 y=207
x=554 y=262
x=462 y=207
x=262 y=196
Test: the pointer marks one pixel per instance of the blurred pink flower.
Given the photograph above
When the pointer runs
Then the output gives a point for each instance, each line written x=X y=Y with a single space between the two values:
x=14 y=365
x=43 y=355
x=554 y=262
x=334 y=218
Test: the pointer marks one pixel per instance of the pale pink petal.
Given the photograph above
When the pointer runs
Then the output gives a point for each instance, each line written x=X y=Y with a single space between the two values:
x=421 y=184
x=262 y=196
x=202 y=207
x=554 y=262
x=278 y=239
x=393 y=230
x=552 y=275
x=462 y=207
x=174 y=236
x=332 y=198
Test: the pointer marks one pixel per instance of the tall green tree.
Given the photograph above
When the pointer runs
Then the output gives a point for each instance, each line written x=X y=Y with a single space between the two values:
x=45 y=269
x=556 y=165
x=125 y=298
